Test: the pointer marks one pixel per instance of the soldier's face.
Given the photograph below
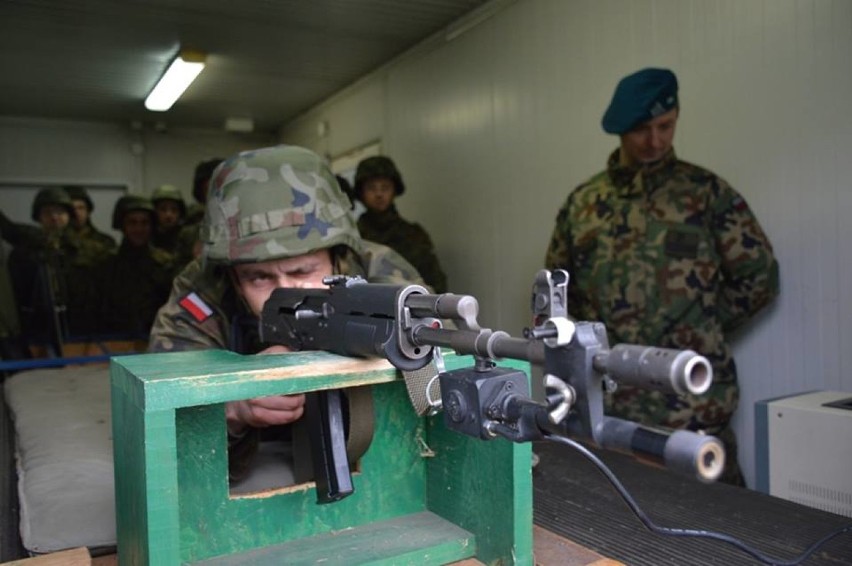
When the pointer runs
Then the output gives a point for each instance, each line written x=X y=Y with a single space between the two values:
x=650 y=141
x=137 y=227
x=53 y=217
x=378 y=194
x=81 y=212
x=256 y=281
x=168 y=213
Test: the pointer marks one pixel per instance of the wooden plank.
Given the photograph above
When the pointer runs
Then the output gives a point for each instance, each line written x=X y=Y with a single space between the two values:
x=146 y=491
x=108 y=560
x=550 y=550
x=402 y=540
x=186 y=379
x=554 y=550
x=73 y=557
x=70 y=349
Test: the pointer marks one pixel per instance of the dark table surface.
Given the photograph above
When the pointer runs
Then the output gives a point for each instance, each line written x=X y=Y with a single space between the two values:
x=573 y=499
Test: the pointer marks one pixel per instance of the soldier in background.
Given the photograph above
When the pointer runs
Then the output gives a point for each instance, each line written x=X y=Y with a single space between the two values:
x=93 y=240
x=665 y=253
x=134 y=281
x=377 y=184
x=169 y=214
x=50 y=271
x=189 y=244
x=295 y=228
x=11 y=347
x=17 y=234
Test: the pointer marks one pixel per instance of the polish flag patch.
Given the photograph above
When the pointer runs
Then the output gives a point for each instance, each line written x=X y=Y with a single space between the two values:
x=193 y=304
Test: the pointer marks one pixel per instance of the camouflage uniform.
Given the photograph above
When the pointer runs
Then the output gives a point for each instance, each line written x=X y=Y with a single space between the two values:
x=178 y=329
x=268 y=204
x=409 y=239
x=95 y=244
x=668 y=255
x=20 y=234
x=188 y=243
x=11 y=347
x=133 y=282
x=168 y=238
x=51 y=275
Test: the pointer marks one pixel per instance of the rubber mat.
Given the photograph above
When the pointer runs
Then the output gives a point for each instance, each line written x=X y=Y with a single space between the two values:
x=573 y=499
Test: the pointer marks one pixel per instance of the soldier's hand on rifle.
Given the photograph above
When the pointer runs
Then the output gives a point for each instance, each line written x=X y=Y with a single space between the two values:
x=264 y=411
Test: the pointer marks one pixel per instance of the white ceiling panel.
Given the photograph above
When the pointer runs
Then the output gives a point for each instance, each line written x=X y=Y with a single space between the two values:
x=267 y=59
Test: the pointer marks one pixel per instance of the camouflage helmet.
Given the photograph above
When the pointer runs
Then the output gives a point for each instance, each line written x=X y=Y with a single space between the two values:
x=169 y=192
x=79 y=193
x=377 y=166
x=129 y=203
x=51 y=195
x=272 y=203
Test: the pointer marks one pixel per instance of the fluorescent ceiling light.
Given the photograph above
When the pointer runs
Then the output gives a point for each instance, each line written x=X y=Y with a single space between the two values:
x=180 y=74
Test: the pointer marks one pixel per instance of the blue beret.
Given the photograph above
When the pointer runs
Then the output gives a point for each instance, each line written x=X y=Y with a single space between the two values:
x=639 y=97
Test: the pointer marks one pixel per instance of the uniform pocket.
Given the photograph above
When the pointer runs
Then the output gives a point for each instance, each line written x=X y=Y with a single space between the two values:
x=686 y=266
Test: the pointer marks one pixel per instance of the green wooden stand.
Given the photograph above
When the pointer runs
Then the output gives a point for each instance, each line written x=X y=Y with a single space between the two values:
x=423 y=494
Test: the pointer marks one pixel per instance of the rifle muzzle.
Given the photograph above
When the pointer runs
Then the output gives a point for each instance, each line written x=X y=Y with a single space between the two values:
x=660 y=369
x=683 y=451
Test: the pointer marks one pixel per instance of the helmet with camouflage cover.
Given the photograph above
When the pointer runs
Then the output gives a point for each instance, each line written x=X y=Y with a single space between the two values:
x=129 y=203
x=377 y=166
x=273 y=203
x=169 y=192
x=51 y=195
x=77 y=192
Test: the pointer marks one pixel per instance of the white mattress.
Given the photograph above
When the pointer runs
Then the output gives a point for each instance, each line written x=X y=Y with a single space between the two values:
x=65 y=460
x=64 y=457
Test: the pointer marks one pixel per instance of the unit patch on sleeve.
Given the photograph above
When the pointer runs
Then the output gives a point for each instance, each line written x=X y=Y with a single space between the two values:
x=194 y=305
x=739 y=203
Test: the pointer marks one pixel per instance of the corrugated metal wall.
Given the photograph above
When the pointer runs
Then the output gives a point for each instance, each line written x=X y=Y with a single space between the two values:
x=493 y=128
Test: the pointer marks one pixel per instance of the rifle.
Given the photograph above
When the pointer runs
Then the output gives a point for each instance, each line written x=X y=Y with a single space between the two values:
x=405 y=325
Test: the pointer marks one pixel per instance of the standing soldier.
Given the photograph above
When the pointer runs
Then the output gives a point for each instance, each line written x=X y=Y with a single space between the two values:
x=93 y=242
x=377 y=184
x=51 y=276
x=169 y=212
x=664 y=252
x=189 y=244
x=134 y=281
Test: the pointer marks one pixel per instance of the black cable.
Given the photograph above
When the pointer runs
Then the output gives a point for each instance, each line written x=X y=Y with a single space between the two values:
x=653 y=527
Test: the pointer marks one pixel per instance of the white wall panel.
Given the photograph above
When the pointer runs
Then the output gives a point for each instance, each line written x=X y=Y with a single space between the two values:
x=54 y=151
x=349 y=121
x=171 y=157
x=49 y=151
x=493 y=129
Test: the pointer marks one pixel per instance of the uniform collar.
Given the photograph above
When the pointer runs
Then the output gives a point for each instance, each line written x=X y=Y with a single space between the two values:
x=636 y=180
x=382 y=219
x=346 y=261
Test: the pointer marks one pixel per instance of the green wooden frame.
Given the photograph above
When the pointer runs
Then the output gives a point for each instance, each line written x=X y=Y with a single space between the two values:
x=423 y=494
